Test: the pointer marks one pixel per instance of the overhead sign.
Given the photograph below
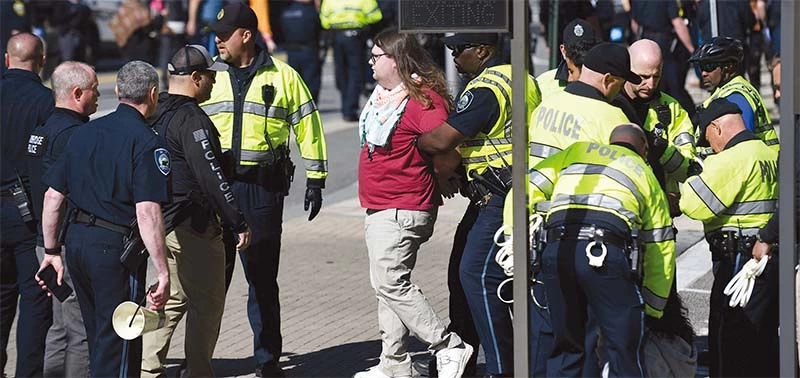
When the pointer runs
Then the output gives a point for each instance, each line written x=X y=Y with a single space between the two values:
x=454 y=16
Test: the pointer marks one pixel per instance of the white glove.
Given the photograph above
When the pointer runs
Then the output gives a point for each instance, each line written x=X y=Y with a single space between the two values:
x=741 y=285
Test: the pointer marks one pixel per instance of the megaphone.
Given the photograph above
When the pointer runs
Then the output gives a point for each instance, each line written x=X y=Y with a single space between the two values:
x=131 y=320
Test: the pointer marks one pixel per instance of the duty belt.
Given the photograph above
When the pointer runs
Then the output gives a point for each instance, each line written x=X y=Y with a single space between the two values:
x=726 y=244
x=493 y=181
x=582 y=232
x=82 y=217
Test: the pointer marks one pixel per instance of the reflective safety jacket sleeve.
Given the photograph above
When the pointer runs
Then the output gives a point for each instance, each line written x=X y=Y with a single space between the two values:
x=494 y=149
x=564 y=118
x=250 y=121
x=548 y=83
x=680 y=135
x=763 y=126
x=614 y=180
x=737 y=189
x=349 y=14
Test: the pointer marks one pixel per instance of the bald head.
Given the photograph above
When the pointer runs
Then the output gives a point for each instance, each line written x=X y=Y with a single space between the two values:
x=25 y=51
x=631 y=134
x=646 y=61
x=723 y=129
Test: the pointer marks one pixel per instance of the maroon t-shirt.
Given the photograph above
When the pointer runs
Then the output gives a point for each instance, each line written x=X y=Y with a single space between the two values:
x=397 y=176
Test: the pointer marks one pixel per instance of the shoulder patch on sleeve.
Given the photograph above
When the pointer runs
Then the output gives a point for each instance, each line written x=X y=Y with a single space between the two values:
x=464 y=102
x=162 y=160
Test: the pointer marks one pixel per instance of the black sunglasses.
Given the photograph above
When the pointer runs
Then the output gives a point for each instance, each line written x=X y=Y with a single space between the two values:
x=458 y=49
x=708 y=67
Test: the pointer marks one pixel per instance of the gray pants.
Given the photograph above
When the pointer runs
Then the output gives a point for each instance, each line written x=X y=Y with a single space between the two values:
x=393 y=238
x=66 y=353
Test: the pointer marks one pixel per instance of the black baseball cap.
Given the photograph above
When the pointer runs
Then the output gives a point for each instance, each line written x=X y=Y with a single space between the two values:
x=613 y=59
x=233 y=16
x=714 y=110
x=461 y=39
x=578 y=30
x=192 y=58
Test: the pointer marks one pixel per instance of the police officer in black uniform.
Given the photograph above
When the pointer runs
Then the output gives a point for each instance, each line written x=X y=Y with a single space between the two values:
x=75 y=90
x=24 y=104
x=301 y=29
x=114 y=171
x=200 y=196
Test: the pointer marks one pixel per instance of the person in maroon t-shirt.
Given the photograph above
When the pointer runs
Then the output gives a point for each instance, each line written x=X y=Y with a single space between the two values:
x=399 y=189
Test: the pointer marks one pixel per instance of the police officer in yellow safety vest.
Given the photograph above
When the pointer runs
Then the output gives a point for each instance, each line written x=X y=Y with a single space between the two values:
x=734 y=197
x=578 y=37
x=255 y=104
x=719 y=61
x=481 y=127
x=605 y=202
x=349 y=19
x=669 y=127
x=582 y=111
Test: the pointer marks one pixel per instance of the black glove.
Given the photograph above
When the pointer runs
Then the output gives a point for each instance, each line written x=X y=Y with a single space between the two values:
x=313 y=198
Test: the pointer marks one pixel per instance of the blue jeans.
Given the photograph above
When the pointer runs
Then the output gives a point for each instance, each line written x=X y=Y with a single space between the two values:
x=573 y=288
x=19 y=264
x=263 y=211
x=101 y=284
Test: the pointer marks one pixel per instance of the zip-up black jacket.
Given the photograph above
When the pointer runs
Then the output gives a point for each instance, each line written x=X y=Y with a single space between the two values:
x=195 y=152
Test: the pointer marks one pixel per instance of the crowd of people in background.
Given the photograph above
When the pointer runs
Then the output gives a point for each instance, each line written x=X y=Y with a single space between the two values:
x=616 y=151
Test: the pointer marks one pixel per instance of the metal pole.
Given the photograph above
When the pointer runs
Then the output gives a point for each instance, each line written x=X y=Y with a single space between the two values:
x=714 y=21
x=450 y=71
x=520 y=44
x=789 y=113
x=552 y=33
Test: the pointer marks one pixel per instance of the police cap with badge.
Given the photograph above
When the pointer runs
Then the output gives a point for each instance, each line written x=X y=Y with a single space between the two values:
x=233 y=16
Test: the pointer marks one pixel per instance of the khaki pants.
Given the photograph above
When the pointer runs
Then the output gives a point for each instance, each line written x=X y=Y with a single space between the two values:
x=393 y=239
x=196 y=264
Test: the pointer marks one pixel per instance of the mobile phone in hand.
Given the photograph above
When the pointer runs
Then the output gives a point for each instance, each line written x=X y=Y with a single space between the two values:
x=50 y=278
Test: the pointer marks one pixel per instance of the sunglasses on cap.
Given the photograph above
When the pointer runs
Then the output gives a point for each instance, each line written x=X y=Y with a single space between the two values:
x=457 y=50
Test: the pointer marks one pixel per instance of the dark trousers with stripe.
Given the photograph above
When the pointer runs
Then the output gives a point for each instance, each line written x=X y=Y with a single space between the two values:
x=18 y=265
x=101 y=283
x=743 y=342
x=573 y=288
x=480 y=277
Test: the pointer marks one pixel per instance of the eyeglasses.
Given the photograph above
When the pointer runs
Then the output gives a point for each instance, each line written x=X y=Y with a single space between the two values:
x=375 y=58
x=457 y=50
x=708 y=67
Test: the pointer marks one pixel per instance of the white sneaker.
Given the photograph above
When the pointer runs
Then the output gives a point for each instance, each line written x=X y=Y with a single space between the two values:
x=450 y=362
x=376 y=372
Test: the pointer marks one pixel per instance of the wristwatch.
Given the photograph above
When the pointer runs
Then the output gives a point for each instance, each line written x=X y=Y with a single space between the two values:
x=52 y=251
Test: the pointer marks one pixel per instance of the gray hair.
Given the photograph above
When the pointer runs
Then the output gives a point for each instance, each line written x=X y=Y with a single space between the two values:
x=69 y=75
x=134 y=81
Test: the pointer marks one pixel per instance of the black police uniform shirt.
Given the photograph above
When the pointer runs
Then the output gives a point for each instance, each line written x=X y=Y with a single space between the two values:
x=111 y=164
x=655 y=15
x=477 y=109
x=24 y=104
x=301 y=26
x=197 y=176
x=45 y=144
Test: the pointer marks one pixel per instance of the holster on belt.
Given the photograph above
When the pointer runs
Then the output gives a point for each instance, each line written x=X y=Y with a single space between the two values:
x=134 y=252
x=276 y=175
x=725 y=245
x=493 y=181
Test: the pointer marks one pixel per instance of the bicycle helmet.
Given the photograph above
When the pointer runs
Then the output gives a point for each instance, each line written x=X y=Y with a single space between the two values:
x=719 y=50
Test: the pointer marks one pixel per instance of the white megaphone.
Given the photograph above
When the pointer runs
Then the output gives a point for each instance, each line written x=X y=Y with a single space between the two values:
x=131 y=320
